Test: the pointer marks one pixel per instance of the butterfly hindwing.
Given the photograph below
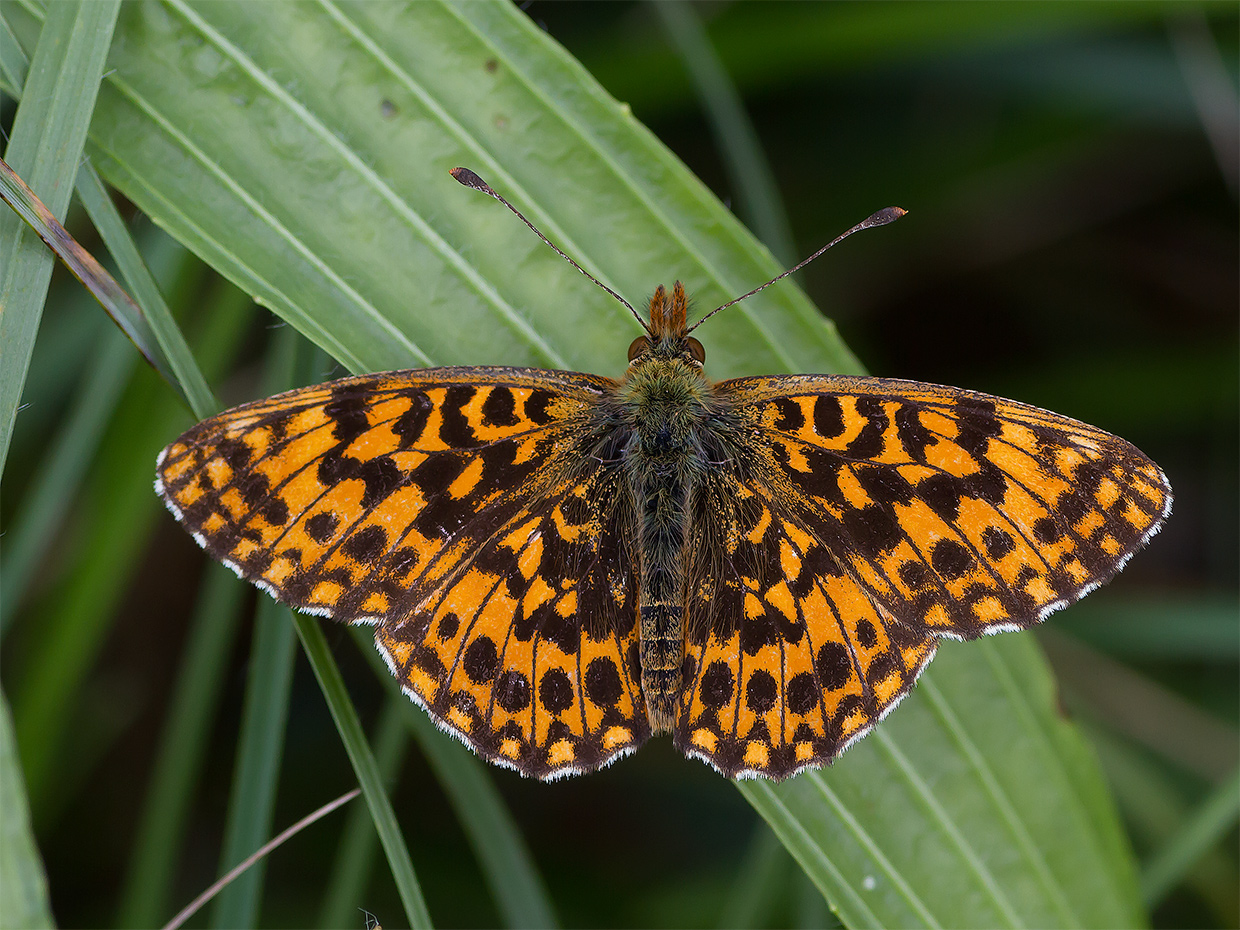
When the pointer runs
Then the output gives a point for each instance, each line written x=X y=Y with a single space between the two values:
x=788 y=658
x=454 y=509
x=528 y=647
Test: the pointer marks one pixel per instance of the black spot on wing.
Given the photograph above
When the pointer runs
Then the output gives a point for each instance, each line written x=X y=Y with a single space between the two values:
x=833 y=665
x=365 y=545
x=868 y=444
x=603 y=685
x=555 y=692
x=950 y=559
x=802 y=693
x=717 y=685
x=760 y=692
x=978 y=424
x=499 y=408
x=865 y=634
x=410 y=424
x=884 y=485
x=873 y=529
x=789 y=416
x=536 y=407
x=382 y=477
x=322 y=526
x=347 y=411
x=481 y=660
x=512 y=691
x=828 y=416
x=998 y=542
x=912 y=433
x=942 y=493
x=455 y=431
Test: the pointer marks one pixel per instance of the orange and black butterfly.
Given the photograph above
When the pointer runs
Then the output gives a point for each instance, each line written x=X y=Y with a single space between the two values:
x=559 y=565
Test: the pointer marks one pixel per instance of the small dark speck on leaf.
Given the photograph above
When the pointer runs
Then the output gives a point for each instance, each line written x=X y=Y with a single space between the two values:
x=492 y=66
x=387 y=109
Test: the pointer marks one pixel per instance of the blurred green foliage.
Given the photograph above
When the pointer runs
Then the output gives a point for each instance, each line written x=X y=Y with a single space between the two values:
x=1072 y=242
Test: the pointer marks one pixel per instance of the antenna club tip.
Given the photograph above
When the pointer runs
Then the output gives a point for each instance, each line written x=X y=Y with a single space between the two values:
x=886 y=215
x=469 y=179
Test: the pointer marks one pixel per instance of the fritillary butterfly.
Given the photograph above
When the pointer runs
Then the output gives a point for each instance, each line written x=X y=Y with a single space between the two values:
x=559 y=565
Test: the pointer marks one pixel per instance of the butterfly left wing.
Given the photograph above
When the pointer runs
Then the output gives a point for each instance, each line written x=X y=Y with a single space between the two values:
x=461 y=511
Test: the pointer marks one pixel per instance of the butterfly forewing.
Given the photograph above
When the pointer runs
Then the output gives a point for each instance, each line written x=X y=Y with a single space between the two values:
x=960 y=513
x=456 y=509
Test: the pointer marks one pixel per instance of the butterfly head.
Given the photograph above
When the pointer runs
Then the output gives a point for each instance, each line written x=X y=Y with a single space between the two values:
x=668 y=331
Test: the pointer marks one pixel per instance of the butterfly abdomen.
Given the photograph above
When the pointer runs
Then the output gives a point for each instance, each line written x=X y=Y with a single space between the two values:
x=665 y=406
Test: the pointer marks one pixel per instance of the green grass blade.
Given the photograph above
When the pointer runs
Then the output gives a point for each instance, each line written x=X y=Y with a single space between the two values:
x=44 y=507
x=268 y=686
x=13 y=61
x=759 y=882
x=342 y=269
x=85 y=267
x=1144 y=709
x=46 y=144
x=251 y=806
x=1213 y=820
x=1015 y=827
x=182 y=748
x=749 y=172
x=117 y=520
x=1202 y=628
x=507 y=865
x=352 y=867
x=1157 y=803
x=368 y=776
x=23 y=883
x=166 y=345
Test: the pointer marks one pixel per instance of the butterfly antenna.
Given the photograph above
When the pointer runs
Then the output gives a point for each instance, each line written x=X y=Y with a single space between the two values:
x=469 y=179
x=881 y=218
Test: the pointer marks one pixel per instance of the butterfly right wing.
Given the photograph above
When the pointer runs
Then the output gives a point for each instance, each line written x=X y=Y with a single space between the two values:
x=850 y=522
x=462 y=512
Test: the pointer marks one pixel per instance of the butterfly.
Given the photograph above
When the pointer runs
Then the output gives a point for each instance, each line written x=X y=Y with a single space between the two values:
x=559 y=565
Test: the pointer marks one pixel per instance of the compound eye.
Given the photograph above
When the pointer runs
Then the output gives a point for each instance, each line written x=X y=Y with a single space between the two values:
x=639 y=346
x=696 y=349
